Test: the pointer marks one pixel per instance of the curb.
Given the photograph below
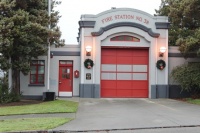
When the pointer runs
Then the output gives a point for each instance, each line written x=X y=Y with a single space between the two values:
x=102 y=130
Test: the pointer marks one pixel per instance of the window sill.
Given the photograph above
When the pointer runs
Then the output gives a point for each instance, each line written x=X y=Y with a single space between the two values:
x=39 y=85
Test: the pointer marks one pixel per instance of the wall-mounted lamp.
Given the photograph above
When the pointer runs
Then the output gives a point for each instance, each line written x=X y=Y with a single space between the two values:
x=88 y=50
x=162 y=51
x=51 y=55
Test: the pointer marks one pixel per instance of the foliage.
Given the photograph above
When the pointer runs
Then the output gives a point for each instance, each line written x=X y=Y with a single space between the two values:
x=7 y=95
x=31 y=124
x=188 y=76
x=160 y=64
x=185 y=24
x=57 y=106
x=184 y=32
x=193 y=101
x=24 y=34
x=88 y=63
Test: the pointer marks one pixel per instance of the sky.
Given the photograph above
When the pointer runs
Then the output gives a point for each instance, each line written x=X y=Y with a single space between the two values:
x=71 y=11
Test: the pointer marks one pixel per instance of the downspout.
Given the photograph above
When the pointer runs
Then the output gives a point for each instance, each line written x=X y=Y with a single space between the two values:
x=156 y=68
x=48 y=52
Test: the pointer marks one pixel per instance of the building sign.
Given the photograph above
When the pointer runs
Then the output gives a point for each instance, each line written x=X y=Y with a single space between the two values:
x=130 y=17
x=88 y=76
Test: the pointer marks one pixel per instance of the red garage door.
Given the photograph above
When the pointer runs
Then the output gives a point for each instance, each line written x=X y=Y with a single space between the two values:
x=124 y=73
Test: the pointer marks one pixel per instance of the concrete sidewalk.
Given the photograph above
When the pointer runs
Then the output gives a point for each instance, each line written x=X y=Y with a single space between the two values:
x=63 y=115
x=125 y=114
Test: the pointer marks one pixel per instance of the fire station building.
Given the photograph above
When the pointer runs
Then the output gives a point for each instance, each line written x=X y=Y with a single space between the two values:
x=121 y=53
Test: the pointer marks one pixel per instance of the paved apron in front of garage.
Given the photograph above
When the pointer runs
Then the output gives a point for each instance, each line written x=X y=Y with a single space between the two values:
x=106 y=114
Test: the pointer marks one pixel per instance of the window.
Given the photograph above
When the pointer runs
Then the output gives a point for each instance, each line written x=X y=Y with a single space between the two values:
x=125 y=38
x=37 y=72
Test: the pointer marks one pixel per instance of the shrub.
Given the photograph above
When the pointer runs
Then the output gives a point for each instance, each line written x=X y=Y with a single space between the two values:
x=8 y=95
x=188 y=76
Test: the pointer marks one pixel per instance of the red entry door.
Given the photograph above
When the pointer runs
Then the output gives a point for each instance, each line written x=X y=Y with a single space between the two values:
x=65 y=79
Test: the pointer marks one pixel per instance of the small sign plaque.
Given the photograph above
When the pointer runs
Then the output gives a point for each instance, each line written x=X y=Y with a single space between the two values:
x=88 y=76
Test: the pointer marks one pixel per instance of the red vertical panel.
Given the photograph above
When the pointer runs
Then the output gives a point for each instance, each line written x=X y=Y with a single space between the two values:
x=124 y=84
x=124 y=93
x=108 y=60
x=108 y=84
x=140 y=60
x=124 y=52
x=112 y=52
x=140 y=52
x=140 y=84
x=109 y=93
x=108 y=56
x=140 y=93
x=124 y=60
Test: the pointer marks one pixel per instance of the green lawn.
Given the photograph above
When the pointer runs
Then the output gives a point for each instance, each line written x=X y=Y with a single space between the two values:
x=31 y=124
x=57 y=106
x=193 y=101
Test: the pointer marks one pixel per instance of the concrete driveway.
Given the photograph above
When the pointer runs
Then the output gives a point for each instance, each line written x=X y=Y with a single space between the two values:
x=124 y=114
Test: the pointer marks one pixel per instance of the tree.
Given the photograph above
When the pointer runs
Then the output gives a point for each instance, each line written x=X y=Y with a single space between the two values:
x=185 y=33
x=185 y=24
x=24 y=34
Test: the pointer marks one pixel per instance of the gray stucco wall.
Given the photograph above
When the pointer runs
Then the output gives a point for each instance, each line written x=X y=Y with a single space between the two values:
x=159 y=91
x=68 y=52
x=89 y=90
x=175 y=59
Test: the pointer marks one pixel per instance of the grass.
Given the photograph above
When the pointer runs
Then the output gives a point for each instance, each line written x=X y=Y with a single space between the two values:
x=193 y=101
x=57 y=106
x=30 y=124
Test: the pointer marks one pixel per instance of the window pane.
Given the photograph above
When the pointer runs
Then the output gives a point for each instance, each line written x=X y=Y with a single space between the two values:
x=68 y=76
x=139 y=76
x=124 y=76
x=120 y=38
x=40 y=78
x=109 y=67
x=129 y=38
x=33 y=69
x=136 y=39
x=64 y=70
x=63 y=76
x=139 y=68
x=125 y=38
x=69 y=62
x=68 y=70
x=33 y=78
x=40 y=69
x=34 y=62
x=113 y=39
x=63 y=62
x=37 y=72
x=66 y=62
x=108 y=76
x=41 y=62
x=124 y=68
